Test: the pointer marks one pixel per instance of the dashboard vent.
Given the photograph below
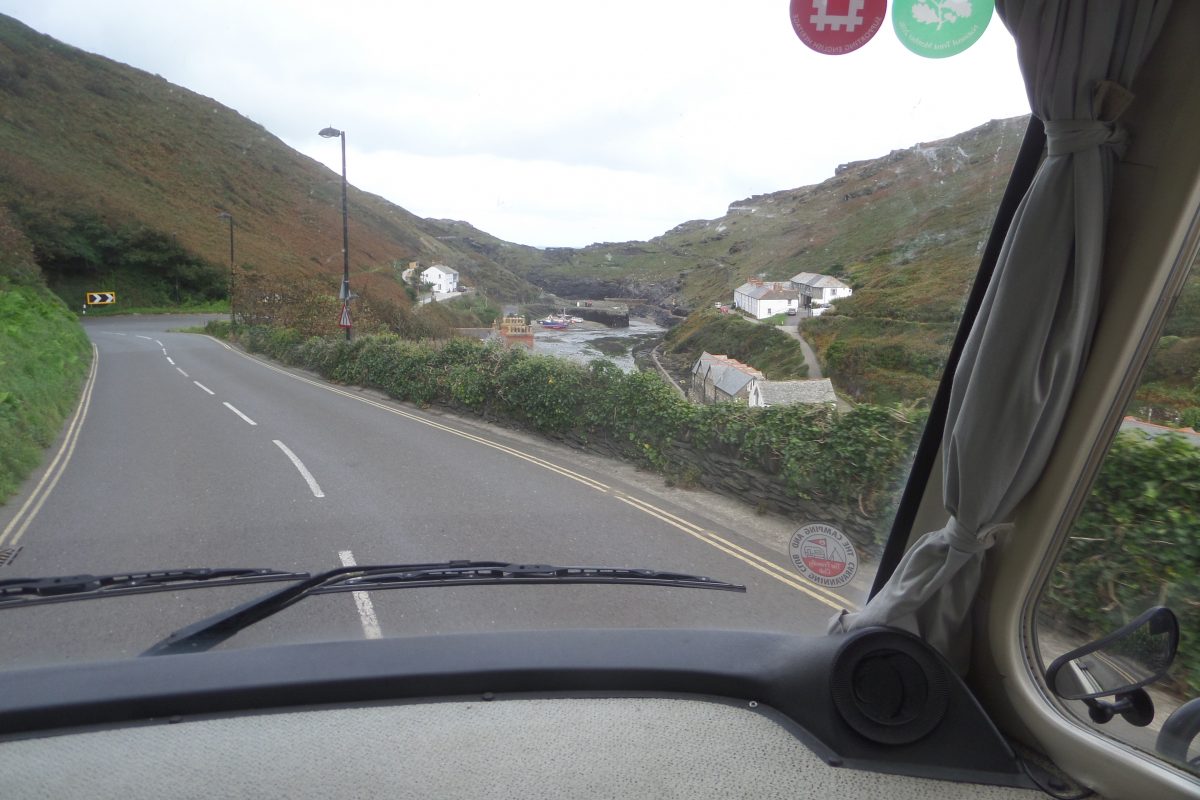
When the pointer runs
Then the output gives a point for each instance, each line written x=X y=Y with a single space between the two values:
x=889 y=687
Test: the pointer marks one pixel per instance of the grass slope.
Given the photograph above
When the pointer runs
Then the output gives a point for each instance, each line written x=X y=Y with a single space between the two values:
x=764 y=347
x=44 y=355
x=904 y=230
x=89 y=140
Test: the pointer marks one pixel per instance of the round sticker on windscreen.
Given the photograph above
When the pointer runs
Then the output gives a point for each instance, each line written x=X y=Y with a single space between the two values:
x=836 y=27
x=824 y=555
x=938 y=29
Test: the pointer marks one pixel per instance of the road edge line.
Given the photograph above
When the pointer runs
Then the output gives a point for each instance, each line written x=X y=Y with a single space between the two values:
x=56 y=468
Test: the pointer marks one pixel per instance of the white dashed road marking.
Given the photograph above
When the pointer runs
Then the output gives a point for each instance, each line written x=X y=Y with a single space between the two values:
x=240 y=414
x=308 y=477
x=366 y=609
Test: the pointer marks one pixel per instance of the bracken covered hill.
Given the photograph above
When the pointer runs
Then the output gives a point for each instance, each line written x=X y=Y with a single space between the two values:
x=905 y=230
x=909 y=224
x=89 y=143
x=103 y=162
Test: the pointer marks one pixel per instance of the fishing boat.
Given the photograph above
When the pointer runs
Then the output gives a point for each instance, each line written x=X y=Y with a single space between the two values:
x=559 y=321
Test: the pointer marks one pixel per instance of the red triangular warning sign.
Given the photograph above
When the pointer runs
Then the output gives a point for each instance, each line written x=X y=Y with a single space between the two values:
x=344 y=322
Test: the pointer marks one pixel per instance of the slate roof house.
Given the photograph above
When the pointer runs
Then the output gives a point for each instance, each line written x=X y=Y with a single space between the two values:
x=764 y=394
x=719 y=378
x=818 y=291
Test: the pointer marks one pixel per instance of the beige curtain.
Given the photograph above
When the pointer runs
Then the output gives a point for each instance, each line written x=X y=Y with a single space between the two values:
x=1028 y=345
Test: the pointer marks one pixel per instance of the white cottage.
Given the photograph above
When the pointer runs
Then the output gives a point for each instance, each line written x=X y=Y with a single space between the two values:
x=441 y=278
x=765 y=299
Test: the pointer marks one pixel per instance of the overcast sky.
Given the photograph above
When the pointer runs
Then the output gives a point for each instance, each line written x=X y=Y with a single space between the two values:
x=552 y=122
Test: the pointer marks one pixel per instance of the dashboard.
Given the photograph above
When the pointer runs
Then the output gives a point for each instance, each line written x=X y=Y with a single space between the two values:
x=577 y=713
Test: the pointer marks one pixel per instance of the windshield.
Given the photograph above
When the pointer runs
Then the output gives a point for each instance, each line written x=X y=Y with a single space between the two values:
x=648 y=286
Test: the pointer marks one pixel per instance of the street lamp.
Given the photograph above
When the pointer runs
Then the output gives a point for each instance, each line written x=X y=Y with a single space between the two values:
x=228 y=216
x=329 y=133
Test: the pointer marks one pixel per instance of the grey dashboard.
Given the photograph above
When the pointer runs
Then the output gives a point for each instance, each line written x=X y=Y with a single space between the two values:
x=576 y=713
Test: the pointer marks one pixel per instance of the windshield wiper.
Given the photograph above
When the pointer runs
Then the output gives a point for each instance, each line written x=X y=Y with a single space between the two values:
x=21 y=592
x=481 y=572
x=210 y=632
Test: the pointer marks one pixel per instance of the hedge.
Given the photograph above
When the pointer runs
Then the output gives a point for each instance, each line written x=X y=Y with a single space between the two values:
x=1136 y=543
x=821 y=455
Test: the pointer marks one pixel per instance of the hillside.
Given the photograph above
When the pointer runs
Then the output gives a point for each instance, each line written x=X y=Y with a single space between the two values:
x=904 y=230
x=95 y=149
x=859 y=224
x=115 y=178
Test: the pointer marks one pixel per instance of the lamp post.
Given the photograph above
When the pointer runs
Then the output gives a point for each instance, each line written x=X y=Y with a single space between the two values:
x=329 y=133
x=228 y=216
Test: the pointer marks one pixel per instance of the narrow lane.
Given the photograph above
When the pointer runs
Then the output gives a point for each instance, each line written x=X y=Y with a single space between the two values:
x=219 y=459
x=792 y=329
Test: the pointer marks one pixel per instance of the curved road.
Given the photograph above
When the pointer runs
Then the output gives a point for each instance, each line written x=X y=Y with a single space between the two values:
x=191 y=453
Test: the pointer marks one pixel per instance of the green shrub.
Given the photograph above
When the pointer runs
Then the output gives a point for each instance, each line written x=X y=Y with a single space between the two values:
x=763 y=347
x=546 y=392
x=44 y=356
x=218 y=328
x=820 y=454
x=647 y=416
x=1136 y=544
x=320 y=354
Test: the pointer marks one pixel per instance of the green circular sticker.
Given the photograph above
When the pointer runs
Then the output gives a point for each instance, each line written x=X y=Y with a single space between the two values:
x=940 y=28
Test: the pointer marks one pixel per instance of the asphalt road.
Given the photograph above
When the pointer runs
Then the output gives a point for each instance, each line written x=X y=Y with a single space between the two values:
x=190 y=453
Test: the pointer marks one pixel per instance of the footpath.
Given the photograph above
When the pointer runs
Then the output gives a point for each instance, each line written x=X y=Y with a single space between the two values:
x=810 y=357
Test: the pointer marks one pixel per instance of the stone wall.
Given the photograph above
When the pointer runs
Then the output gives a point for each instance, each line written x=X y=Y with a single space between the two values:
x=613 y=318
x=725 y=474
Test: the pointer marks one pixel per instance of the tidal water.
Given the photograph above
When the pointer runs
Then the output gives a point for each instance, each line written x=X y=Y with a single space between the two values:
x=589 y=340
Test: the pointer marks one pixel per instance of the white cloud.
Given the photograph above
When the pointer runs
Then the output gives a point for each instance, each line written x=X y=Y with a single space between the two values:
x=523 y=197
x=547 y=122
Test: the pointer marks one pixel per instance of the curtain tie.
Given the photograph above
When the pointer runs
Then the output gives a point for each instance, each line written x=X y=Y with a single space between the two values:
x=1067 y=136
x=968 y=541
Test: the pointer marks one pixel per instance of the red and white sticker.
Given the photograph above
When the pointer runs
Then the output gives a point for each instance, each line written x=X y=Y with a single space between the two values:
x=837 y=27
x=824 y=555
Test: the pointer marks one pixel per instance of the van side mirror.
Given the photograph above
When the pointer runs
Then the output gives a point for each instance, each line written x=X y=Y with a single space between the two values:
x=1119 y=664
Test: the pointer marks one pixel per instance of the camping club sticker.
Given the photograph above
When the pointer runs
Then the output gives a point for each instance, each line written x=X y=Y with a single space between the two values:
x=837 y=27
x=940 y=28
x=824 y=555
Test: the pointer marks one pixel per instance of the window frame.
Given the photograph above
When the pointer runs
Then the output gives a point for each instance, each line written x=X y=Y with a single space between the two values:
x=1154 y=238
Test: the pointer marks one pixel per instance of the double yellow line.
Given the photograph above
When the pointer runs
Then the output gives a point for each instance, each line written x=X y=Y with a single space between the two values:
x=17 y=526
x=767 y=567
